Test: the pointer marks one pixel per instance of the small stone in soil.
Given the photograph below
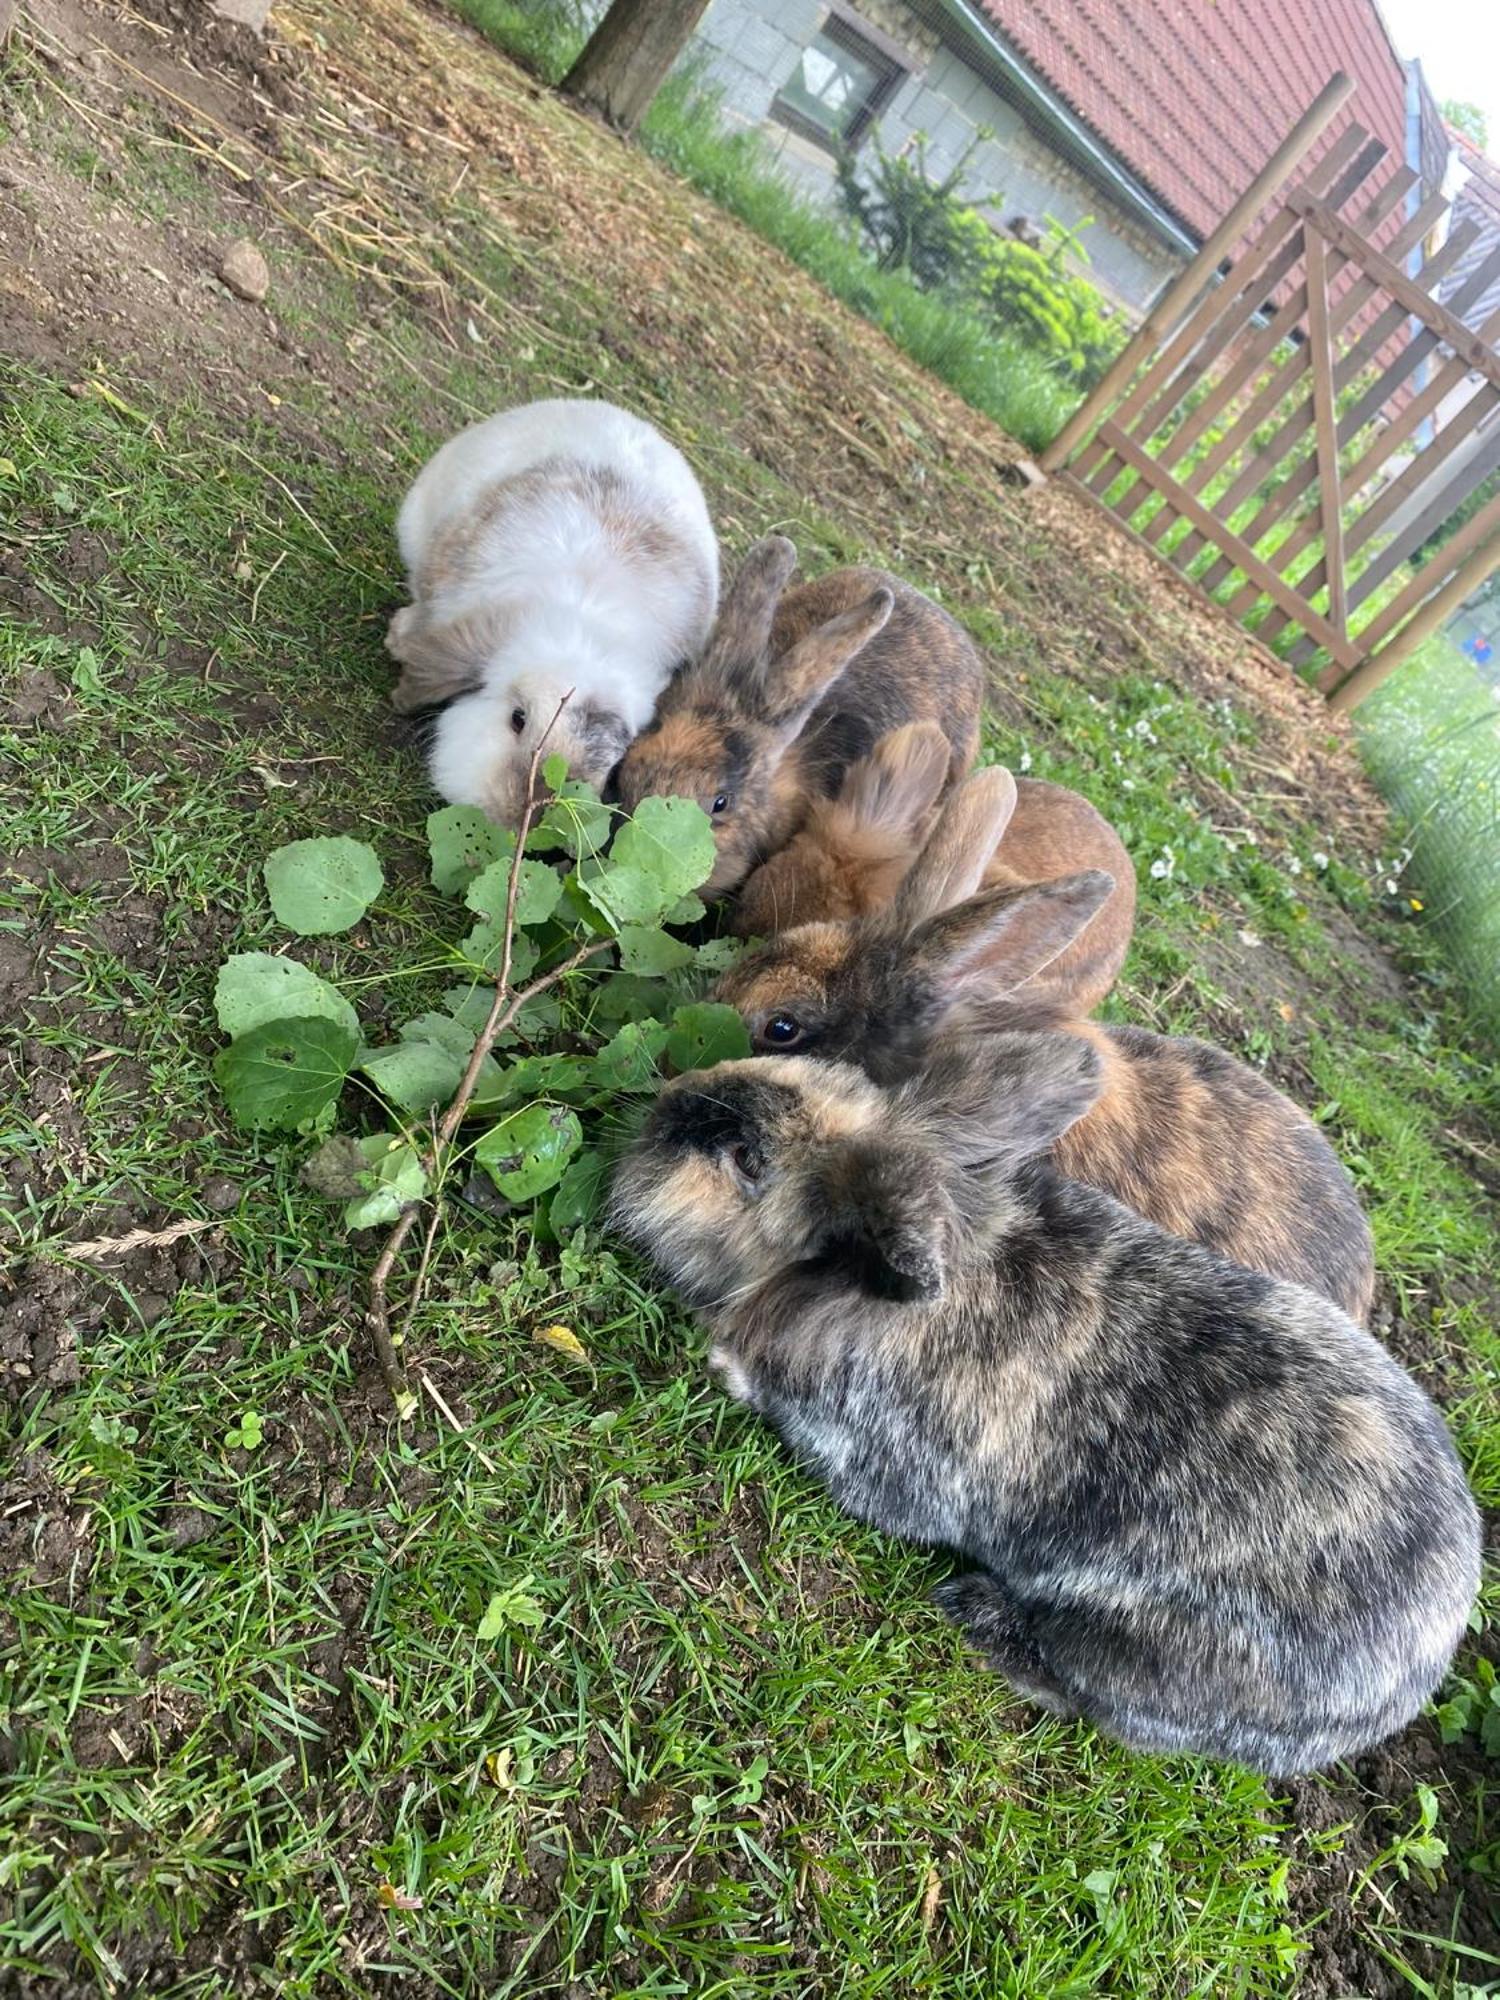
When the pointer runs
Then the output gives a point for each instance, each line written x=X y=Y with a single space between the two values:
x=245 y=271
x=220 y=1194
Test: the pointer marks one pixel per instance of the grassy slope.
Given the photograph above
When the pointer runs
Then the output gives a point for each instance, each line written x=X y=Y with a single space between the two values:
x=741 y=1755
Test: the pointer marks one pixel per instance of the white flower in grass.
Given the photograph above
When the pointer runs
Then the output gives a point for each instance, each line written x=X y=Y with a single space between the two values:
x=1023 y=762
x=1127 y=784
x=1163 y=867
x=1294 y=866
x=1320 y=859
x=1249 y=937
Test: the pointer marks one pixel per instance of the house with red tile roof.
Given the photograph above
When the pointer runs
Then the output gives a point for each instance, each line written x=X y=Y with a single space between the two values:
x=1135 y=122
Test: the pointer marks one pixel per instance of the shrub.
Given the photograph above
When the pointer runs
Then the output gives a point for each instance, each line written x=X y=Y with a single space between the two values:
x=935 y=232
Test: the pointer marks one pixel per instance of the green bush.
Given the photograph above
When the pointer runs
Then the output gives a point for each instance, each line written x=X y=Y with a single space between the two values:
x=936 y=233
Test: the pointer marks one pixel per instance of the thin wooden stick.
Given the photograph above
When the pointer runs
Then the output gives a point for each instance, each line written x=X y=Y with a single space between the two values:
x=503 y=1010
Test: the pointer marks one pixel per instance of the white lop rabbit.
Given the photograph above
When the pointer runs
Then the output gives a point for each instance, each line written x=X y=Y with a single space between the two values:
x=562 y=545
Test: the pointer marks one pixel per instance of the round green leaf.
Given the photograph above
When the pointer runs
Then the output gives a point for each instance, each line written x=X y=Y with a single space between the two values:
x=536 y=892
x=720 y=953
x=652 y=952
x=484 y=947
x=704 y=1034
x=526 y=1153
x=284 y=1075
x=625 y=895
x=629 y=1060
x=414 y=1076
x=580 y=1193
x=575 y=823
x=321 y=886
x=530 y=1076
x=256 y=986
x=672 y=840
x=462 y=843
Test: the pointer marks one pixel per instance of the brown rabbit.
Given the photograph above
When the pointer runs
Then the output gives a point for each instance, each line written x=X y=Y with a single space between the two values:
x=1182 y=1133
x=791 y=690
x=854 y=849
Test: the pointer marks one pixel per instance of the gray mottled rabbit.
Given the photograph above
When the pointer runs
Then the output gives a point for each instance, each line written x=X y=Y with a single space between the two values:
x=1206 y=1510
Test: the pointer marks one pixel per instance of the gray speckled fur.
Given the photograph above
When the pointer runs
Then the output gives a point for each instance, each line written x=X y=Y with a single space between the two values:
x=1206 y=1509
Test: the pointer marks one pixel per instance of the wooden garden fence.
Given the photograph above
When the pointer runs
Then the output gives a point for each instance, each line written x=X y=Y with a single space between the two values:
x=1247 y=434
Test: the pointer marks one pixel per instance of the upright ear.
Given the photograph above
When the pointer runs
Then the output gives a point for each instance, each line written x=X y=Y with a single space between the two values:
x=441 y=659
x=897 y=785
x=742 y=630
x=880 y=1213
x=962 y=845
x=995 y=942
x=996 y=1100
x=792 y=686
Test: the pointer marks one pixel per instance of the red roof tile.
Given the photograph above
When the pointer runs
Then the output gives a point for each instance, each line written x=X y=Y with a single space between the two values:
x=1195 y=95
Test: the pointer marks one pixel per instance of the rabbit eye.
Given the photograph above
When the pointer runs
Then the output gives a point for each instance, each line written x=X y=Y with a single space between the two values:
x=745 y=1162
x=719 y=805
x=518 y=720
x=782 y=1031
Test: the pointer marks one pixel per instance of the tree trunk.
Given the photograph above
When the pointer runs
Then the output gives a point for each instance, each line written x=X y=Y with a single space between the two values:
x=625 y=61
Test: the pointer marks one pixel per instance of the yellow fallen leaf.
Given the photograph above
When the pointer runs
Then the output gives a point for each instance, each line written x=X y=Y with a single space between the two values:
x=497 y=1769
x=565 y=1341
x=1286 y=1010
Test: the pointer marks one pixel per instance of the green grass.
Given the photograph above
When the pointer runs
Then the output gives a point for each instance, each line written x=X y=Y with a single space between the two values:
x=740 y=1747
x=724 y=1746
x=999 y=375
x=1431 y=737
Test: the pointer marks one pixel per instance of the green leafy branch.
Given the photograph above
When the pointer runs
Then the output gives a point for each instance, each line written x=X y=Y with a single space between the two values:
x=527 y=1077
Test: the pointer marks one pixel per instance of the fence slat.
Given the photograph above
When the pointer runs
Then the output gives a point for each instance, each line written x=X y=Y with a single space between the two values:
x=1472 y=473
x=1237 y=301
x=1325 y=419
x=1438 y=609
x=1405 y=291
x=1270 y=396
x=1384 y=446
x=1285 y=496
x=1471 y=536
x=1293 y=149
x=1244 y=557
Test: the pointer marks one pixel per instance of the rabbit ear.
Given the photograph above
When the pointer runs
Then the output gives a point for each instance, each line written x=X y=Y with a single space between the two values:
x=962 y=845
x=880 y=1213
x=996 y=1100
x=792 y=686
x=742 y=630
x=997 y=941
x=897 y=785
x=440 y=660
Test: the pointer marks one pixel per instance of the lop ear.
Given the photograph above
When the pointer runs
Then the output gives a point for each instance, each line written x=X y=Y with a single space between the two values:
x=962 y=844
x=880 y=1213
x=791 y=687
x=897 y=785
x=995 y=942
x=603 y=738
x=742 y=630
x=441 y=659
x=996 y=1100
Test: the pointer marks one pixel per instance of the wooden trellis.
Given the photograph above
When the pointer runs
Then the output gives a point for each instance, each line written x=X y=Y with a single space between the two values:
x=1248 y=431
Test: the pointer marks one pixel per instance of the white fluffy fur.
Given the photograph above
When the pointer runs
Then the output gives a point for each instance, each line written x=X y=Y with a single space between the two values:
x=558 y=597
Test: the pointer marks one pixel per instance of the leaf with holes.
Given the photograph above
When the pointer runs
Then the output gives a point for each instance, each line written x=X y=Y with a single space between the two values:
x=462 y=843
x=318 y=887
x=526 y=1153
x=580 y=1193
x=629 y=1059
x=484 y=949
x=414 y=1076
x=624 y=895
x=652 y=952
x=254 y=987
x=671 y=840
x=536 y=892
x=285 y=1076
x=704 y=1034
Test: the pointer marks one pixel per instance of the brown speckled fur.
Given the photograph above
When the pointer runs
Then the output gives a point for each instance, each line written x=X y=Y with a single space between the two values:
x=793 y=688
x=1200 y=1143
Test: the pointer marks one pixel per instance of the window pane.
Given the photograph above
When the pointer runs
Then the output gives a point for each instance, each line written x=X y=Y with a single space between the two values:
x=831 y=84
